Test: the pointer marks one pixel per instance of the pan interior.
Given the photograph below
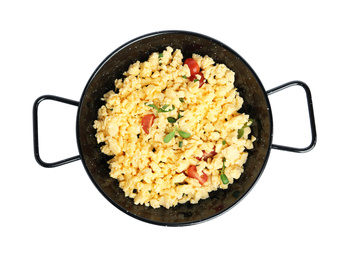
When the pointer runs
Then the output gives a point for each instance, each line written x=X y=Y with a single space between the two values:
x=255 y=103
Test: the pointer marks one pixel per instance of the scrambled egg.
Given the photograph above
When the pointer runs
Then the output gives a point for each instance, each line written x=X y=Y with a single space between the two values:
x=154 y=172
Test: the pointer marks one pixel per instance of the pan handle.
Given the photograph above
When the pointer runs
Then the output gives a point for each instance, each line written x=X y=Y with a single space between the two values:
x=311 y=117
x=36 y=133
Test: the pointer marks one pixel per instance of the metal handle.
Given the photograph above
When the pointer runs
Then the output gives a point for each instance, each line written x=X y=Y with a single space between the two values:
x=311 y=117
x=36 y=132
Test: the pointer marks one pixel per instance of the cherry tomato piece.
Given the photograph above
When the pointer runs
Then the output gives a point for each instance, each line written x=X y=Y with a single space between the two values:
x=193 y=66
x=192 y=173
x=147 y=122
x=204 y=178
x=206 y=155
x=202 y=79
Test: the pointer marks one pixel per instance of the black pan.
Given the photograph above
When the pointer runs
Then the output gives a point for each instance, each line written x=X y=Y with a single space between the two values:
x=256 y=104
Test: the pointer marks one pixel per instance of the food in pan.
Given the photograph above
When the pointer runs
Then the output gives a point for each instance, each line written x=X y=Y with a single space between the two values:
x=173 y=129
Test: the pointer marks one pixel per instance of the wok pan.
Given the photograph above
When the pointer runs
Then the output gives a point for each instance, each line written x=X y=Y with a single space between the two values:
x=256 y=104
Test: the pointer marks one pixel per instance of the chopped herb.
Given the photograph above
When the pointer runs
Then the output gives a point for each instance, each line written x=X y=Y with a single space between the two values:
x=169 y=137
x=224 y=142
x=160 y=55
x=250 y=122
x=163 y=109
x=184 y=76
x=182 y=100
x=153 y=106
x=247 y=124
x=240 y=132
x=195 y=80
x=180 y=144
x=171 y=119
x=223 y=176
x=184 y=134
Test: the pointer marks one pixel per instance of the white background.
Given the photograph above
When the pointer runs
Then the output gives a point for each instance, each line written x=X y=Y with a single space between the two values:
x=297 y=210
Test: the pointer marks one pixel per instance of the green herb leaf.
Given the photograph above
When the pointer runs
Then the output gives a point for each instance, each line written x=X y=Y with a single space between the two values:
x=222 y=171
x=153 y=106
x=240 y=132
x=164 y=107
x=224 y=178
x=182 y=100
x=171 y=119
x=184 y=76
x=180 y=144
x=249 y=123
x=160 y=55
x=184 y=134
x=165 y=110
x=224 y=142
x=169 y=137
x=195 y=80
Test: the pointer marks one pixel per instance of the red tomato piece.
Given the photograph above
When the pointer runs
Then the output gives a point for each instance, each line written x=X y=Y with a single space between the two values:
x=206 y=155
x=147 y=122
x=204 y=178
x=193 y=66
x=201 y=80
x=192 y=173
